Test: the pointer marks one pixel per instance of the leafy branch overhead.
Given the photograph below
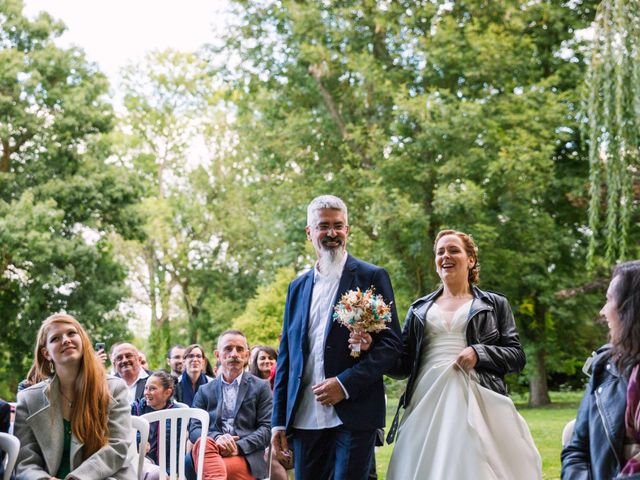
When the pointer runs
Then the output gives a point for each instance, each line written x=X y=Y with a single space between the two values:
x=613 y=111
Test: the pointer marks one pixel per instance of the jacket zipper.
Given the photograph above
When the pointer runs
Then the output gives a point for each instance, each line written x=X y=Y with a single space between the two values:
x=606 y=431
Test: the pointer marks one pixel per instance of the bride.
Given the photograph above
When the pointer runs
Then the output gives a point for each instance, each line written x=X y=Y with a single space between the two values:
x=459 y=342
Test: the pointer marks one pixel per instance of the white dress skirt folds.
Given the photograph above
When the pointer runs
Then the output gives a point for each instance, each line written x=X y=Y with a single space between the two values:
x=454 y=428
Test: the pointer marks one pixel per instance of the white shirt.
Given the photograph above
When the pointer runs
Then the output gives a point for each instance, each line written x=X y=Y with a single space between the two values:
x=132 y=388
x=311 y=414
x=229 y=399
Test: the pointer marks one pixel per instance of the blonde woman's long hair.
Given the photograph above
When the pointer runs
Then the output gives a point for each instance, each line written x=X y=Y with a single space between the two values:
x=90 y=411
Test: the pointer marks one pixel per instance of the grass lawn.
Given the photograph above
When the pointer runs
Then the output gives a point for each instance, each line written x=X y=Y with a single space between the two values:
x=545 y=423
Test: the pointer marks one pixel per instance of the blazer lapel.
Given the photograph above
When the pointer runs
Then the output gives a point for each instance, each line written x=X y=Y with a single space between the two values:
x=48 y=428
x=346 y=283
x=307 y=292
x=242 y=391
x=220 y=404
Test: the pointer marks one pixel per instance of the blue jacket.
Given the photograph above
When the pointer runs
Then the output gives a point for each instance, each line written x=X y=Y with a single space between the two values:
x=184 y=392
x=361 y=377
x=596 y=447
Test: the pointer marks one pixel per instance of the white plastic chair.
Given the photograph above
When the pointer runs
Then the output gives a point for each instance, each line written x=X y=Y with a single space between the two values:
x=11 y=446
x=173 y=415
x=14 y=405
x=567 y=431
x=141 y=426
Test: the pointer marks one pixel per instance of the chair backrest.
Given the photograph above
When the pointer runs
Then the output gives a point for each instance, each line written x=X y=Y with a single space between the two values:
x=141 y=426
x=567 y=432
x=179 y=421
x=13 y=416
x=11 y=445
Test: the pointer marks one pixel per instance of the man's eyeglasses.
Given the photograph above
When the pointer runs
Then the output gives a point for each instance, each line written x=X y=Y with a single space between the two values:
x=336 y=227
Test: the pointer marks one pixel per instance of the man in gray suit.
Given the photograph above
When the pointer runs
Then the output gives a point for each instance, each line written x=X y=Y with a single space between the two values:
x=239 y=406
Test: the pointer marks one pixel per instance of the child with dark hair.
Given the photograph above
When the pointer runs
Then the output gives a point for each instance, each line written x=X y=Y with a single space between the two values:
x=158 y=393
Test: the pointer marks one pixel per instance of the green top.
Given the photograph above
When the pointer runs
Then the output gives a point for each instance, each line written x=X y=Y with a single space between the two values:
x=65 y=465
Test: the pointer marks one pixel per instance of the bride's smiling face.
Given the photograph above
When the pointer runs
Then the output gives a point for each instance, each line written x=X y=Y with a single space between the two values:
x=452 y=261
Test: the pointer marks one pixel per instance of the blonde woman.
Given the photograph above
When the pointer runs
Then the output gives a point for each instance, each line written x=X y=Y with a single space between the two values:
x=75 y=424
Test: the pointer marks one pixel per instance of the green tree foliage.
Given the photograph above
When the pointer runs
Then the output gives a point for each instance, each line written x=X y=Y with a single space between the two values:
x=424 y=115
x=613 y=111
x=261 y=320
x=59 y=198
x=190 y=265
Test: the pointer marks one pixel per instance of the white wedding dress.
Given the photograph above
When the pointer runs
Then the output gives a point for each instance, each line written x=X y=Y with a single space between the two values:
x=455 y=429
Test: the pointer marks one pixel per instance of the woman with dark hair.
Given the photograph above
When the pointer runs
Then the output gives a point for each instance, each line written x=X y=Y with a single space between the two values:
x=458 y=343
x=263 y=361
x=76 y=423
x=157 y=396
x=194 y=374
x=606 y=437
x=32 y=379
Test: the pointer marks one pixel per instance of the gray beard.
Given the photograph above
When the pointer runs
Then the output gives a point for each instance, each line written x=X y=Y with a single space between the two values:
x=330 y=262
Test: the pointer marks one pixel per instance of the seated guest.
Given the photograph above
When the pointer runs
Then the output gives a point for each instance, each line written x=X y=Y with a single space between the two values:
x=5 y=424
x=143 y=361
x=76 y=424
x=606 y=439
x=175 y=357
x=263 y=365
x=5 y=416
x=32 y=378
x=193 y=374
x=157 y=396
x=126 y=361
x=263 y=361
x=239 y=406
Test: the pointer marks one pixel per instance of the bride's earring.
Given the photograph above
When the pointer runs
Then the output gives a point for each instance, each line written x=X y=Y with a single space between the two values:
x=52 y=368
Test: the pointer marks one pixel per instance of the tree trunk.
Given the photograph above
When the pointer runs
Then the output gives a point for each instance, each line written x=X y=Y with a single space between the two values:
x=153 y=292
x=538 y=388
x=4 y=158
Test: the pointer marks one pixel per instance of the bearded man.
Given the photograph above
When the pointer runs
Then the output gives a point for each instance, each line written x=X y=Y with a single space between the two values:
x=328 y=402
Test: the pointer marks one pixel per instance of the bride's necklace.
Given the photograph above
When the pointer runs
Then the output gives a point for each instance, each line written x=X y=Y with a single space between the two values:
x=69 y=402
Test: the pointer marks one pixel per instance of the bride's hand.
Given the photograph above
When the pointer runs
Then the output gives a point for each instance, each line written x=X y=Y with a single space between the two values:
x=467 y=359
x=364 y=339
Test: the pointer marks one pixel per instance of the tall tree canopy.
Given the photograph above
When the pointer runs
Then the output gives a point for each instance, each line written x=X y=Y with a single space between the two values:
x=59 y=198
x=192 y=264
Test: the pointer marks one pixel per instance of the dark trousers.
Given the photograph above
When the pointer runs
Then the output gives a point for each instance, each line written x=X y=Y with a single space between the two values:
x=333 y=453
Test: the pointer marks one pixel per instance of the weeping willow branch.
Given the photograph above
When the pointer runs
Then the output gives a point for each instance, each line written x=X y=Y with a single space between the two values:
x=613 y=111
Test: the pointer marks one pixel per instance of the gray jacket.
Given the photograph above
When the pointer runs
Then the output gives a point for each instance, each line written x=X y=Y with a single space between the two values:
x=40 y=429
x=252 y=418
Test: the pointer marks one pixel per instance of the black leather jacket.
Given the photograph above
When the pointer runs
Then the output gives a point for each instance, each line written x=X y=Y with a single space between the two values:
x=596 y=448
x=491 y=332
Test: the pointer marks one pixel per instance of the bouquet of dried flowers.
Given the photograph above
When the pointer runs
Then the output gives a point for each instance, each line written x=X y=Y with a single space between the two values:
x=362 y=312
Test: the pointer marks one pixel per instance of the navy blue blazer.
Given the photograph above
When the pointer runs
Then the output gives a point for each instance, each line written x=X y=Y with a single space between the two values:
x=251 y=418
x=361 y=377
